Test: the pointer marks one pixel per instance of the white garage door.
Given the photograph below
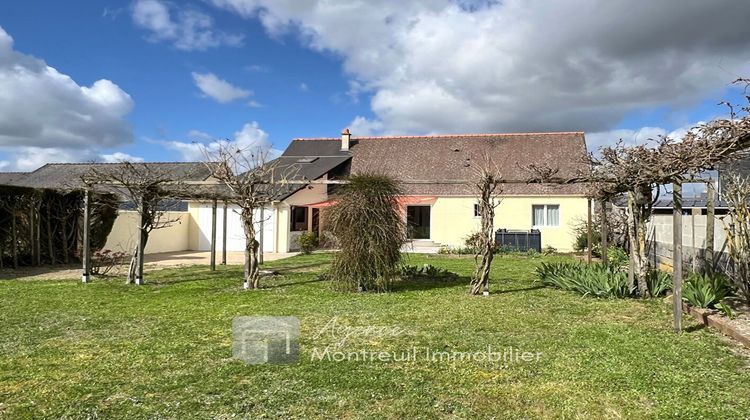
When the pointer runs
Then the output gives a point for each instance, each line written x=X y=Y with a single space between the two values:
x=235 y=233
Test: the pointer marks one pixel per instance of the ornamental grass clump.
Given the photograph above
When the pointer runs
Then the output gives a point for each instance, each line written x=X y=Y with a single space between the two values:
x=370 y=230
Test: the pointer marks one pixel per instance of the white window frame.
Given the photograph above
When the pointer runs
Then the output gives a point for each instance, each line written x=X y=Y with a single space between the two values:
x=476 y=212
x=545 y=225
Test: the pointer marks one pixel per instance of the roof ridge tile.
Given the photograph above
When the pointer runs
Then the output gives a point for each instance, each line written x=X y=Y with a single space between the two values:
x=428 y=136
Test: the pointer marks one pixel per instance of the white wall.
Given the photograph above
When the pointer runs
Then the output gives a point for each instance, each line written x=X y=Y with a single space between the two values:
x=201 y=212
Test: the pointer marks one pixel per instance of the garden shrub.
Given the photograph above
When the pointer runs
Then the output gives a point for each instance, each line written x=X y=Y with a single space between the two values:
x=618 y=257
x=327 y=240
x=308 y=242
x=426 y=271
x=473 y=241
x=104 y=260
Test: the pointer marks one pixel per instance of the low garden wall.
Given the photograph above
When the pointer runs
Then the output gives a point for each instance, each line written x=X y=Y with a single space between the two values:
x=693 y=241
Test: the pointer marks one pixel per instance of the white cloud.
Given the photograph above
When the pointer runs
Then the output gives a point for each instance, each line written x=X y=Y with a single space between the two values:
x=120 y=157
x=643 y=135
x=219 y=89
x=186 y=28
x=303 y=87
x=46 y=116
x=519 y=65
x=30 y=158
x=250 y=138
x=361 y=126
x=197 y=134
x=258 y=68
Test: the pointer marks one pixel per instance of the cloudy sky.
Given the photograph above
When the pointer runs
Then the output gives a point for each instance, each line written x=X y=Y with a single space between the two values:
x=148 y=79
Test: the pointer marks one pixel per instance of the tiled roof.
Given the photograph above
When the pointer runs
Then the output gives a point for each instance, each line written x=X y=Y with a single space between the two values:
x=446 y=158
x=305 y=168
x=8 y=178
x=67 y=176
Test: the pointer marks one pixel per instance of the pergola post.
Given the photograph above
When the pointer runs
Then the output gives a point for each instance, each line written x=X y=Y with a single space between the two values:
x=32 y=235
x=213 y=235
x=631 y=245
x=604 y=231
x=708 y=263
x=260 y=235
x=224 y=237
x=141 y=244
x=50 y=239
x=677 y=255
x=86 y=246
x=14 y=235
x=589 y=233
x=38 y=232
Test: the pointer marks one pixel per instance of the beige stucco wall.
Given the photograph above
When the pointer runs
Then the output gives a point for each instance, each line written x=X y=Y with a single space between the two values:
x=192 y=223
x=124 y=235
x=313 y=193
x=282 y=227
x=453 y=218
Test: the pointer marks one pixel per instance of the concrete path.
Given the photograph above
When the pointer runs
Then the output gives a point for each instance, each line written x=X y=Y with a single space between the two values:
x=153 y=262
x=171 y=259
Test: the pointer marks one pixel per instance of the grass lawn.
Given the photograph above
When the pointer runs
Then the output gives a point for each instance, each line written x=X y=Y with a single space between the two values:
x=164 y=350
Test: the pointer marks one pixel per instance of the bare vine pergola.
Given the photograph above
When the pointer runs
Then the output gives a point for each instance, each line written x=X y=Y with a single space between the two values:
x=631 y=171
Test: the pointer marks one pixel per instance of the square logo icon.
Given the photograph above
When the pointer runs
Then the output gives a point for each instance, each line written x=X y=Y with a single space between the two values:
x=260 y=340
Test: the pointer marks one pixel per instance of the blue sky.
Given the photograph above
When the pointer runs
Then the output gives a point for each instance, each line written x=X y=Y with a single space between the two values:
x=88 y=45
x=308 y=69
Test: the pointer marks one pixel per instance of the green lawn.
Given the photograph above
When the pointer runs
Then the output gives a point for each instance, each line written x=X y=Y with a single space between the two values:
x=164 y=350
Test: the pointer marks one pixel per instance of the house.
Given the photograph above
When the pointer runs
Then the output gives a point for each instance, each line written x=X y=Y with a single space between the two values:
x=439 y=210
x=439 y=207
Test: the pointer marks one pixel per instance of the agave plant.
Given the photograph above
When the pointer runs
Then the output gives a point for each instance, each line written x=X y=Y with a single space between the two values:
x=658 y=283
x=596 y=280
x=706 y=290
